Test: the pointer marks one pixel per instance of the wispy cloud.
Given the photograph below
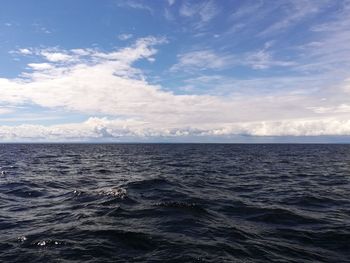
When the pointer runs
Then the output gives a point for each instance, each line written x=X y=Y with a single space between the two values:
x=40 y=28
x=125 y=36
x=200 y=13
x=295 y=12
x=171 y=2
x=201 y=60
x=248 y=9
x=141 y=5
x=328 y=51
x=263 y=59
x=209 y=59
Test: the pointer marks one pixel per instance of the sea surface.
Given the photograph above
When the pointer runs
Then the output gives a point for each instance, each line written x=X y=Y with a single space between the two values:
x=174 y=203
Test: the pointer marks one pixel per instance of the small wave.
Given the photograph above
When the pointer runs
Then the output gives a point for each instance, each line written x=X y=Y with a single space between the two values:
x=45 y=243
x=181 y=205
x=312 y=201
x=281 y=216
x=118 y=192
x=150 y=184
x=35 y=241
x=25 y=192
x=22 y=238
x=269 y=215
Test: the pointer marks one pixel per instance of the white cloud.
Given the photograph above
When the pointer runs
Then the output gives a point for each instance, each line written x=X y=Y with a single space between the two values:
x=103 y=128
x=200 y=12
x=40 y=66
x=5 y=110
x=187 y=9
x=295 y=12
x=100 y=83
x=135 y=5
x=82 y=52
x=202 y=59
x=55 y=56
x=329 y=50
x=125 y=36
x=263 y=59
x=209 y=59
x=208 y=11
x=247 y=9
x=342 y=108
x=25 y=51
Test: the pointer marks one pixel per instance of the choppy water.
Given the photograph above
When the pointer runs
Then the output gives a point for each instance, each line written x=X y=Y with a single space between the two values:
x=174 y=203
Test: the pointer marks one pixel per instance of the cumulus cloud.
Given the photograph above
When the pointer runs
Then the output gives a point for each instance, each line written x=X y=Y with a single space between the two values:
x=97 y=83
x=55 y=56
x=25 y=51
x=40 y=66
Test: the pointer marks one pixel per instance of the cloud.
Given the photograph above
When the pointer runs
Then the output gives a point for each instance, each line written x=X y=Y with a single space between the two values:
x=265 y=19
x=201 y=60
x=209 y=59
x=295 y=12
x=55 y=56
x=41 y=29
x=246 y=10
x=168 y=15
x=200 y=12
x=106 y=129
x=110 y=87
x=24 y=51
x=263 y=59
x=5 y=110
x=171 y=2
x=125 y=36
x=342 y=108
x=328 y=51
x=40 y=66
x=135 y=5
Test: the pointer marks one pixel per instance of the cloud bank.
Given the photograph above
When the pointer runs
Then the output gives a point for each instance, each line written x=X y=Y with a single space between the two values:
x=102 y=128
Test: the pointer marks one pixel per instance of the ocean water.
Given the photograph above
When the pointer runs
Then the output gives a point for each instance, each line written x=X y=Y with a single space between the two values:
x=174 y=203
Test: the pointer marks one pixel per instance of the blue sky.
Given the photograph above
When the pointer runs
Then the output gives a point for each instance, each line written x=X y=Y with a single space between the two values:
x=231 y=71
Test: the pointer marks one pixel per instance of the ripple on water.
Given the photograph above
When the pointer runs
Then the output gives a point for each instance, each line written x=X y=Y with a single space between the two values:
x=174 y=203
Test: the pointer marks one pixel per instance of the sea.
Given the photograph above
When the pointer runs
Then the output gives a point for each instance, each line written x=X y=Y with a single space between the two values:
x=174 y=203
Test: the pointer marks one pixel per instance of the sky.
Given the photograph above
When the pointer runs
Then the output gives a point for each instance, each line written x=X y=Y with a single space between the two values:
x=174 y=71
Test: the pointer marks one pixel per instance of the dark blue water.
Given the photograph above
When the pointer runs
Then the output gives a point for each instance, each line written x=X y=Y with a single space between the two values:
x=174 y=203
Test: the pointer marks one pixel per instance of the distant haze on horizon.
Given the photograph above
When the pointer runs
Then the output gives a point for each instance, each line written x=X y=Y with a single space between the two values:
x=175 y=71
